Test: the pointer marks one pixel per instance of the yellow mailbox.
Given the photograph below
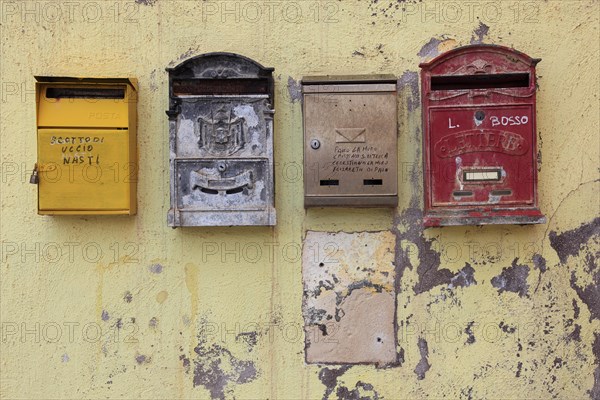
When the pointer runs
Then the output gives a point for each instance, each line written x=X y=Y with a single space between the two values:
x=87 y=146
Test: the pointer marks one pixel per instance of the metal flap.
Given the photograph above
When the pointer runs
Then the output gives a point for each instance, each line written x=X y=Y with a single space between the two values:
x=348 y=79
x=83 y=80
x=349 y=83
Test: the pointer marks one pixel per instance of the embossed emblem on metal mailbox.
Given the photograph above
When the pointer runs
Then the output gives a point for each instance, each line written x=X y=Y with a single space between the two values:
x=221 y=142
x=350 y=141
x=479 y=134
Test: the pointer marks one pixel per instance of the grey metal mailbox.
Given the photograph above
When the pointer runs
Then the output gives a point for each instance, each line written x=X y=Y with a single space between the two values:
x=221 y=142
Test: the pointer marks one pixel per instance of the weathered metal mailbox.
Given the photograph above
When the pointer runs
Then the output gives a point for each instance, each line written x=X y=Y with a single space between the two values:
x=350 y=141
x=480 y=157
x=221 y=142
x=87 y=147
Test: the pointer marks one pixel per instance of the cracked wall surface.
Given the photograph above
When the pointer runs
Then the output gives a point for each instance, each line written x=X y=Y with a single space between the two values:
x=126 y=307
x=349 y=297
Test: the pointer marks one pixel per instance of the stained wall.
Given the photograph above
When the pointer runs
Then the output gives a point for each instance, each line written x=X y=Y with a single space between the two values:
x=126 y=307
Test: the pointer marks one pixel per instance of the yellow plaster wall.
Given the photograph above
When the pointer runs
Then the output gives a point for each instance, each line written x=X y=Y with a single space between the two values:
x=216 y=312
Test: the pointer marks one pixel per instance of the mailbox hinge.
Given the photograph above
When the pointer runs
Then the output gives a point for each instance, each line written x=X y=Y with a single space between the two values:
x=34 y=178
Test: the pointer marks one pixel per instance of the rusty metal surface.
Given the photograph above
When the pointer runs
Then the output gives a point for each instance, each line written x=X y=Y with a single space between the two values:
x=480 y=137
x=221 y=141
x=350 y=143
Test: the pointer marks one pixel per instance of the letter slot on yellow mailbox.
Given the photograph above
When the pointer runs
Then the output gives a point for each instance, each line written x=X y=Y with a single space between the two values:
x=86 y=153
x=350 y=140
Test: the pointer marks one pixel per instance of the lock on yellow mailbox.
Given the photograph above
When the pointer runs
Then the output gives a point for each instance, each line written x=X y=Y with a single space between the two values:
x=87 y=146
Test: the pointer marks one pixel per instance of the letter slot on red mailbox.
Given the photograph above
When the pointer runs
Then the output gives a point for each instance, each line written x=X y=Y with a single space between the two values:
x=479 y=137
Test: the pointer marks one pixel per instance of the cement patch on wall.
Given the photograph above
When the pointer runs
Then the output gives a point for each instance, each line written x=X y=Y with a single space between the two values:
x=349 y=297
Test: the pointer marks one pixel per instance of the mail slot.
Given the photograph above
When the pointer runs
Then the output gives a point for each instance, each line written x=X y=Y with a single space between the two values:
x=86 y=153
x=350 y=140
x=221 y=142
x=479 y=137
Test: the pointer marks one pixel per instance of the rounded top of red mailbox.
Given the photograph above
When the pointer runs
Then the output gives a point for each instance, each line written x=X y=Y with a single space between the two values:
x=480 y=59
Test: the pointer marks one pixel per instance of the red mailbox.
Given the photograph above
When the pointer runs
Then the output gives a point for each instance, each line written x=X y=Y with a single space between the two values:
x=479 y=135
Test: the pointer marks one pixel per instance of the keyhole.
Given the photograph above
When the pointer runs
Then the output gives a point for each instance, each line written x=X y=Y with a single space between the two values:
x=315 y=144
x=479 y=115
x=221 y=167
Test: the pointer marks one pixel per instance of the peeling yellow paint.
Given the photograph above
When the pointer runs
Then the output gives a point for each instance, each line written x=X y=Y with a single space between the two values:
x=446 y=45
